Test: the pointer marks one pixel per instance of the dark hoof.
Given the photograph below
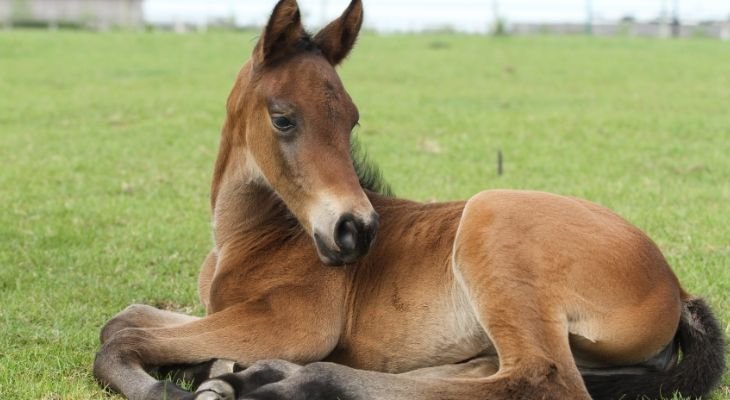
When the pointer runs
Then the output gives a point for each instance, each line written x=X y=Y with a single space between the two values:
x=238 y=384
x=215 y=389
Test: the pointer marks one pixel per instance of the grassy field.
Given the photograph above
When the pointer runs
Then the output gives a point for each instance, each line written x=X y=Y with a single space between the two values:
x=107 y=143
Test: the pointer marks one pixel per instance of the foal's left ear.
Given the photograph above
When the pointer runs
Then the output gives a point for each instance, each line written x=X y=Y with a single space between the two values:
x=337 y=38
x=281 y=34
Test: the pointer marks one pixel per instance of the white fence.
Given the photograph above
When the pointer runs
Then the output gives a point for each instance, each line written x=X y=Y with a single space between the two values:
x=98 y=14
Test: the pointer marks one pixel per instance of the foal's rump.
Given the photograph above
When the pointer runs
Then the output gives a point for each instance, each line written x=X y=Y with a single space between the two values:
x=627 y=318
x=700 y=340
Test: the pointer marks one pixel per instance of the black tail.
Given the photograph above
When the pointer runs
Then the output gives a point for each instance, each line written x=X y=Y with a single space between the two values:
x=695 y=375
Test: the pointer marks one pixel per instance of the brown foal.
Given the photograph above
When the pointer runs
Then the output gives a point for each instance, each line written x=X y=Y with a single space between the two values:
x=508 y=295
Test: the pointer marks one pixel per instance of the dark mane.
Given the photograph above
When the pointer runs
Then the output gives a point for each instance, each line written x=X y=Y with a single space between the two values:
x=368 y=172
x=306 y=44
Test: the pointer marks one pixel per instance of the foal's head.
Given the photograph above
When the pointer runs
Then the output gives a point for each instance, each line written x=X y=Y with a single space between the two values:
x=292 y=118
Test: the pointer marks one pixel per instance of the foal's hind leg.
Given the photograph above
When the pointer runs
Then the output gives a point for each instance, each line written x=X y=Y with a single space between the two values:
x=478 y=367
x=518 y=306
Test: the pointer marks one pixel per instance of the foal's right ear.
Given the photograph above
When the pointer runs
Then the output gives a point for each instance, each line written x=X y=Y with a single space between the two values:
x=281 y=34
x=336 y=39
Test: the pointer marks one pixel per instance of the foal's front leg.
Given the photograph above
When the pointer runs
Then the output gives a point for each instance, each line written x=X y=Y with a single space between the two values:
x=322 y=380
x=142 y=316
x=246 y=332
x=325 y=380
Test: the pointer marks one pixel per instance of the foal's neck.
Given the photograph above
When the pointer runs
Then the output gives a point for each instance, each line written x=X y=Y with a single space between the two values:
x=249 y=208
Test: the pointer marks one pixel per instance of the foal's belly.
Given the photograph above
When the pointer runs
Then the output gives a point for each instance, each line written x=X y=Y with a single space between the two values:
x=410 y=332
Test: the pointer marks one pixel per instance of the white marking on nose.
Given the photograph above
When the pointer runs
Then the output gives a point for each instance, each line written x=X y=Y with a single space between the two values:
x=327 y=210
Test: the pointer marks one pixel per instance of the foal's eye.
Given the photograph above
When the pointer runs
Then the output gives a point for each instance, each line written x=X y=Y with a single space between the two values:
x=282 y=123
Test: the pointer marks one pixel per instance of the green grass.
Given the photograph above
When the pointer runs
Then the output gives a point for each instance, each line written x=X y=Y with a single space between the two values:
x=107 y=143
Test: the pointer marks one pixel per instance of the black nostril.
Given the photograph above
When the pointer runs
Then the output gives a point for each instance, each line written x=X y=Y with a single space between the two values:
x=346 y=234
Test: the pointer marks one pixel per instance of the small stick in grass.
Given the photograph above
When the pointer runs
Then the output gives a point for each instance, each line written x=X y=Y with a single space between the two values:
x=500 y=169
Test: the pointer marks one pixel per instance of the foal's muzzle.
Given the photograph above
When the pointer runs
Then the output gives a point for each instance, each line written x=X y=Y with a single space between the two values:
x=352 y=238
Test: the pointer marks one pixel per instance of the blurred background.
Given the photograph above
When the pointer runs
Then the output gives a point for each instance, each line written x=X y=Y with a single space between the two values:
x=661 y=18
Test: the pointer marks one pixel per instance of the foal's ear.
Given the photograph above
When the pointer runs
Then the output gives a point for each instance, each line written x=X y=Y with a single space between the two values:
x=281 y=34
x=336 y=39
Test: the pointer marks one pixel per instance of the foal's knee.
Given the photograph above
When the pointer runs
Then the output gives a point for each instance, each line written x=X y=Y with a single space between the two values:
x=121 y=347
x=130 y=317
x=124 y=350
